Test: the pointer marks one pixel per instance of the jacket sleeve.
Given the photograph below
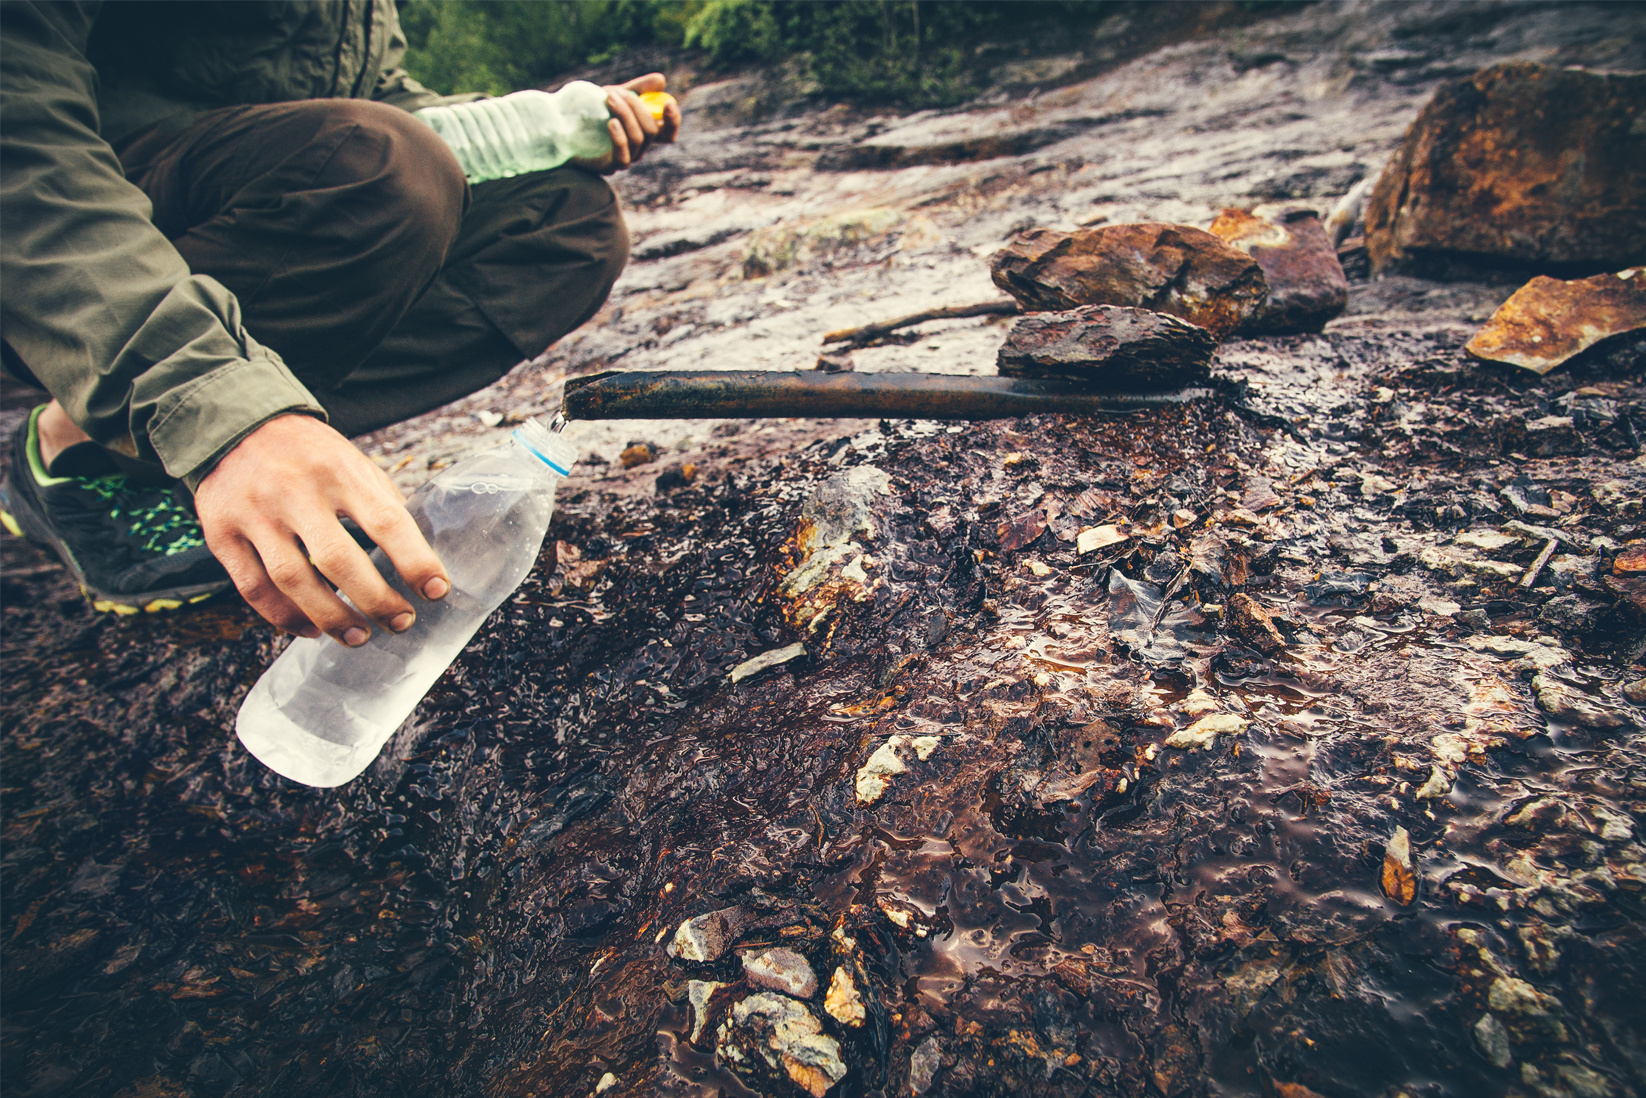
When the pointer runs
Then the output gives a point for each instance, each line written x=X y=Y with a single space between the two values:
x=395 y=85
x=146 y=357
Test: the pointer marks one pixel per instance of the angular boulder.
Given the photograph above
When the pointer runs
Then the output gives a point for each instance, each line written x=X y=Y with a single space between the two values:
x=1174 y=269
x=1520 y=164
x=1307 y=286
x=1548 y=321
x=1108 y=346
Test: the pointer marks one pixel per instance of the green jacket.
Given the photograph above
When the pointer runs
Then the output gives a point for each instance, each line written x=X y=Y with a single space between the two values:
x=147 y=358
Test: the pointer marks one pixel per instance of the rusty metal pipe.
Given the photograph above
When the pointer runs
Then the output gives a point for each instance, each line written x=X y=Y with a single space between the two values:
x=760 y=394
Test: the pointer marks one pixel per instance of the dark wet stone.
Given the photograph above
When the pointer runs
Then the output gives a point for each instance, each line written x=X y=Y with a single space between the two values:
x=1542 y=436
x=1249 y=621
x=1307 y=286
x=1538 y=167
x=1574 y=614
x=1175 y=269
x=1524 y=494
x=1108 y=347
x=676 y=476
x=1338 y=587
x=835 y=364
x=1630 y=589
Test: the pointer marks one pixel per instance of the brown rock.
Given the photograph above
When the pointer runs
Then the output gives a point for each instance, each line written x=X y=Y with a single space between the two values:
x=1547 y=321
x=1307 y=286
x=1631 y=589
x=1630 y=560
x=1104 y=344
x=1544 y=168
x=637 y=453
x=1175 y=269
x=1251 y=623
x=676 y=476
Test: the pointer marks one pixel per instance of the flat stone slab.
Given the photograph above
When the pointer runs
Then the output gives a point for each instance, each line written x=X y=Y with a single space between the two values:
x=1548 y=321
x=1175 y=269
x=1109 y=346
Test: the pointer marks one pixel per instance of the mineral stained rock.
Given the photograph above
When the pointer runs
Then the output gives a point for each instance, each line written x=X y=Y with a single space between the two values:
x=780 y=1035
x=843 y=1002
x=1202 y=734
x=1175 y=269
x=1539 y=167
x=698 y=994
x=1108 y=346
x=781 y=969
x=707 y=937
x=1307 y=286
x=1547 y=321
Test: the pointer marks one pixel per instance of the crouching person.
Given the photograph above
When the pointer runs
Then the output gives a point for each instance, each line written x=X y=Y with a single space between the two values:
x=229 y=243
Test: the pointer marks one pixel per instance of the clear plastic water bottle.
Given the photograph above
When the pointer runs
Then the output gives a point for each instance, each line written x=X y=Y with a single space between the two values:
x=323 y=711
x=526 y=131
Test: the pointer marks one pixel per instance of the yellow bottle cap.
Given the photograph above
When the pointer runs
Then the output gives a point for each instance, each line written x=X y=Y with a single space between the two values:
x=656 y=102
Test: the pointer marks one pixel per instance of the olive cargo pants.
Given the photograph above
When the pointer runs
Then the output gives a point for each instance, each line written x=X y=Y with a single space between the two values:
x=359 y=254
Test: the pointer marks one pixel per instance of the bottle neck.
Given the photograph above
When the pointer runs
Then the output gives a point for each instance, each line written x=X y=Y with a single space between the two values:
x=550 y=452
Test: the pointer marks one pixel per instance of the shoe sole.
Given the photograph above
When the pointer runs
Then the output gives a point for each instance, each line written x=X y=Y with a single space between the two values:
x=16 y=521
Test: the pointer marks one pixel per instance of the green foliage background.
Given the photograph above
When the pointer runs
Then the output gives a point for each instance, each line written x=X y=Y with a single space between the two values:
x=915 y=52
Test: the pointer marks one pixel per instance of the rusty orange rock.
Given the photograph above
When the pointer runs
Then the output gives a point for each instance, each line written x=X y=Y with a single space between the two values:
x=1175 y=269
x=1399 y=881
x=1543 y=168
x=1630 y=560
x=1547 y=321
x=1307 y=286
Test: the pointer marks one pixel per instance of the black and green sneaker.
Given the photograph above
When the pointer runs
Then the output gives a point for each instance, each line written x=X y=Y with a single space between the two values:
x=132 y=547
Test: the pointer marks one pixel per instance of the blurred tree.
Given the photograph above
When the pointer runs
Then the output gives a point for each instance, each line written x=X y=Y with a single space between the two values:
x=914 y=52
x=481 y=46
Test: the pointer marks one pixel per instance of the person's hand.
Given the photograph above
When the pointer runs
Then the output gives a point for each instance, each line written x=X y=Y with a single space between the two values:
x=270 y=512
x=632 y=127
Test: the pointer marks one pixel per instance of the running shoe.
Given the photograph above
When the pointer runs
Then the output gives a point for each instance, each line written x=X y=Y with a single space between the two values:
x=132 y=547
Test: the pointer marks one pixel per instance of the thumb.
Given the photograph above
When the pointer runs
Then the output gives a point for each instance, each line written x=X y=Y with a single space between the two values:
x=651 y=82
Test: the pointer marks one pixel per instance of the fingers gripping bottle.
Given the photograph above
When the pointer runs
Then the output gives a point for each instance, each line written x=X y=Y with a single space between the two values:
x=322 y=712
x=531 y=131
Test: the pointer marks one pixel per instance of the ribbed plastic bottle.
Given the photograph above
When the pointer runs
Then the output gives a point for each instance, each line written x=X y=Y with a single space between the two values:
x=531 y=131
x=323 y=711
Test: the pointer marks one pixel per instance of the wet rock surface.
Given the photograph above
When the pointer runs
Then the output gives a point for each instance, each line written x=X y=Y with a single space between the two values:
x=1044 y=897
x=1108 y=347
x=1307 y=286
x=1174 y=269
x=1547 y=321
x=1523 y=164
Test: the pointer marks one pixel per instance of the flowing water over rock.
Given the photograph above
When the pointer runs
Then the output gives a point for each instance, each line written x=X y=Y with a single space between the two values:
x=1034 y=820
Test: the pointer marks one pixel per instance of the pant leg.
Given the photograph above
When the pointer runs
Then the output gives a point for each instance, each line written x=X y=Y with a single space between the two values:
x=535 y=257
x=327 y=218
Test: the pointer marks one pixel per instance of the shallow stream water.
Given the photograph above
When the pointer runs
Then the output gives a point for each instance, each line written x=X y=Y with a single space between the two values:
x=1046 y=899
